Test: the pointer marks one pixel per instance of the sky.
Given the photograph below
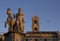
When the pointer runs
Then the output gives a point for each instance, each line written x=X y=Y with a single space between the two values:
x=48 y=12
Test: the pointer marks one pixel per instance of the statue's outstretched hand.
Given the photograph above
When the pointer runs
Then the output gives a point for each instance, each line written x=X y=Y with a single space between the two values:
x=14 y=15
x=5 y=24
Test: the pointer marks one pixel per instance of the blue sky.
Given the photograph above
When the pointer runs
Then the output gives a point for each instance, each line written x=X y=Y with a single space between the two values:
x=47 y=10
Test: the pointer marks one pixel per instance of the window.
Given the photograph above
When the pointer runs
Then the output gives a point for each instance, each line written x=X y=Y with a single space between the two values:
x=26 y=39
x=36 y=39
x=35 y=28
x=45 y=39
x=54 y=39
x=35 y=21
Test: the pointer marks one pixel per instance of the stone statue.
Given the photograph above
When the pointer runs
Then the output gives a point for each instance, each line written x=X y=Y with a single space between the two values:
x=10 y=20
x=20 y=18
x=17 y=21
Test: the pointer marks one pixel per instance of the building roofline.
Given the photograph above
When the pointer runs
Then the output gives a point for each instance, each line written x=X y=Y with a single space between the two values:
x=43 y=32
x=14 y=32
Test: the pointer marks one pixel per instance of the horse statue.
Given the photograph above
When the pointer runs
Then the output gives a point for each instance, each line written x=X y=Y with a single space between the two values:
x=10 y=20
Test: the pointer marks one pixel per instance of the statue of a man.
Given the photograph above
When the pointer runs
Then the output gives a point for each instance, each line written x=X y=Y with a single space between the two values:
x=10 y=20
x=17 y=25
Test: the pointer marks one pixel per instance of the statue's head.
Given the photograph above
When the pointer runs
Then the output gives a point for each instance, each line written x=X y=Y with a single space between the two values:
x=20 y=10
x=9 y=12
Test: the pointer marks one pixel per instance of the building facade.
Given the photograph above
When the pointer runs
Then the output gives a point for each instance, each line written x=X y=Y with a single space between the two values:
x=16 y=29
